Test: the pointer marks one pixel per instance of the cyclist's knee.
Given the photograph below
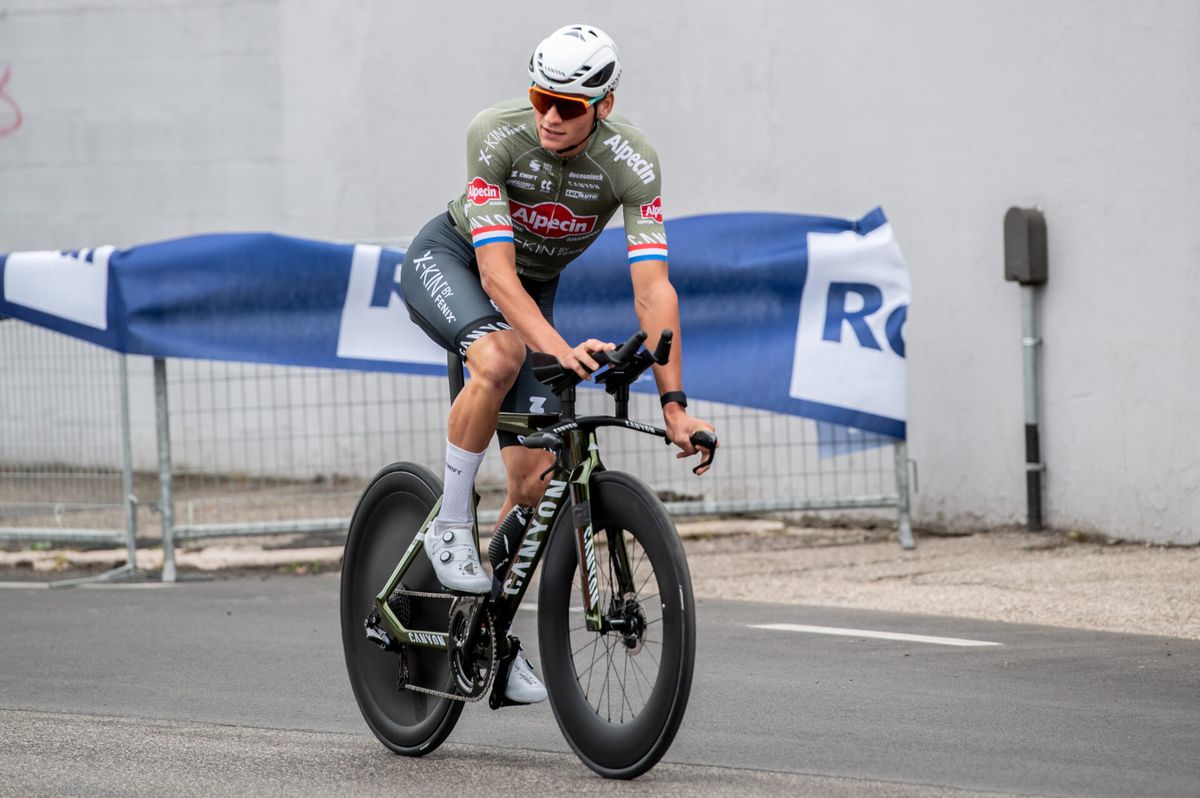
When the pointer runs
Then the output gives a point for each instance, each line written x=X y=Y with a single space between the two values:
x=496 y=359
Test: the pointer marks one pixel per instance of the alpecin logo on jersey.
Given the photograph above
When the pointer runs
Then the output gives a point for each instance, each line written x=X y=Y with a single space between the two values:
x=653 y=210
x=481 y=192
x=551 y=219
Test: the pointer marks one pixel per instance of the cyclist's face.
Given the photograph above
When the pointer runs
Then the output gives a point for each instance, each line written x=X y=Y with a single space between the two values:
x=555 y=133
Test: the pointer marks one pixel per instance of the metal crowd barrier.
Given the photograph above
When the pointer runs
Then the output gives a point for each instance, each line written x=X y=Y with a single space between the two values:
x=252 y=449
x=66 y=469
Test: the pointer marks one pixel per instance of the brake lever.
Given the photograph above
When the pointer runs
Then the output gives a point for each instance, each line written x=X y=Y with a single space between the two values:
x=706 y=441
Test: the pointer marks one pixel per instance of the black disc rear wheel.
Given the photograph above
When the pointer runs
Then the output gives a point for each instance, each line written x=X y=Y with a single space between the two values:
x=619 y=695
x=388 y=517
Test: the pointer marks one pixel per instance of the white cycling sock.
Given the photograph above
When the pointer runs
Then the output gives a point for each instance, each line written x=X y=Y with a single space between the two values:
x=461 y=467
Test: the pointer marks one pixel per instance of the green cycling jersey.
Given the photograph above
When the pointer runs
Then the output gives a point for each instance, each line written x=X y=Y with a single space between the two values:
x=553 y=208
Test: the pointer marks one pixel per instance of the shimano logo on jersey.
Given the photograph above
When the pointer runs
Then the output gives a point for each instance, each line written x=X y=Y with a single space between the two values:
x=623 y=151
x=653 y=210
x=481 y=192
x=551 y=219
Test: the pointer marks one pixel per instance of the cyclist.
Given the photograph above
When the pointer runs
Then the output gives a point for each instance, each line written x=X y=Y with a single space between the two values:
x=544 y=175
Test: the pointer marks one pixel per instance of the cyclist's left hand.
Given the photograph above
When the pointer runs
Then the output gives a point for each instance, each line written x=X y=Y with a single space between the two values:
x=681 y=427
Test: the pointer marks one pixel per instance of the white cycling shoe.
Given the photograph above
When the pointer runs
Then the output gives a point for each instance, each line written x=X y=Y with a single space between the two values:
x=451 y=549
x=524 y=687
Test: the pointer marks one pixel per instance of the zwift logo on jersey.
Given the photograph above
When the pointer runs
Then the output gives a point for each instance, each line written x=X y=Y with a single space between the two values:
x=623 y=151
x=653 y=210
x=481 y=192
x=551 y=219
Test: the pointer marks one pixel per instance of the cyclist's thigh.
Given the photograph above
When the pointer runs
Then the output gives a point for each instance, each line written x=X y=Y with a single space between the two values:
x=440 y=283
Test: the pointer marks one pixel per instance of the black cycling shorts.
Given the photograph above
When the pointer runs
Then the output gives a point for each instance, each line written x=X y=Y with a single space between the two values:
x=441 y=287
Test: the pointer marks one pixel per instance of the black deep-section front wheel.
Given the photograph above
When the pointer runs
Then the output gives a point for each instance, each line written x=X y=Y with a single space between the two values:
x=620 y=695
x=388 y=517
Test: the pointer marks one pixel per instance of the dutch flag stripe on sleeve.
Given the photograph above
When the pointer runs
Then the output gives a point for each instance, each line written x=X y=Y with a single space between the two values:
x=640 y=252
x=491 y=234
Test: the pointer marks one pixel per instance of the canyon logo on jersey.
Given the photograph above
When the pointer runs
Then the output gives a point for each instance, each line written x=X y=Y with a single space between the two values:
x=653 y=210
x=551 y=219
x=481 y=192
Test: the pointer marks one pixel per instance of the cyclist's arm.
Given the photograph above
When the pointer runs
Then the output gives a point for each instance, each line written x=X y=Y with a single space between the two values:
x=498 y=275
x=657 y=308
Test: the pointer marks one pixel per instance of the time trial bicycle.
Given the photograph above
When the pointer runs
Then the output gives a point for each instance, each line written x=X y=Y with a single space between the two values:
x=615 y=614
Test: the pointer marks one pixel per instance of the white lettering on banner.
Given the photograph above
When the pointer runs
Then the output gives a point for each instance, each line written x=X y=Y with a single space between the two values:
x=849 y=338
x=70 y=285
x=623 y=151
x=380 y=332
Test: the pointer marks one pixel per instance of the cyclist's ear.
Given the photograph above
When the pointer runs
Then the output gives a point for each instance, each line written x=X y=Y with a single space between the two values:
x=605 y=106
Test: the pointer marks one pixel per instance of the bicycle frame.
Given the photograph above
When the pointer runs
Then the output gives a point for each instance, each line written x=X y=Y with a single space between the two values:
x=572 y=476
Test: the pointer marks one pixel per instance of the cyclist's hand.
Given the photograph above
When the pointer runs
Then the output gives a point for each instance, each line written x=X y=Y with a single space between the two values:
x=579 y=359
x=681 y=427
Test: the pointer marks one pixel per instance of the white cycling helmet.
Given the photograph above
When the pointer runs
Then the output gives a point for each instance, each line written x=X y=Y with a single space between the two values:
x=577 y=59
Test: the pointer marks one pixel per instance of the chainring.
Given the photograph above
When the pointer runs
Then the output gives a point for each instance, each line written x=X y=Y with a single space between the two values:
x=473 y=671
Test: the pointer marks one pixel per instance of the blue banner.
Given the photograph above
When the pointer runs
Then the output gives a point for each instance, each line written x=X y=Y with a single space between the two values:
x=793 y=314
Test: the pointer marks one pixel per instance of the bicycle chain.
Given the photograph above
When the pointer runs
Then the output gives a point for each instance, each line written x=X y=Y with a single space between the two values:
x=491 y=666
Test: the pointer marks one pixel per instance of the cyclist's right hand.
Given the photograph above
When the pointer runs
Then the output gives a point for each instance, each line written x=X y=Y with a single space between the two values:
x=579 y=359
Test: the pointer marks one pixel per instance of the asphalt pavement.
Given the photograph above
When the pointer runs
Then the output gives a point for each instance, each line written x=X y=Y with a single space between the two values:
x=238 y=686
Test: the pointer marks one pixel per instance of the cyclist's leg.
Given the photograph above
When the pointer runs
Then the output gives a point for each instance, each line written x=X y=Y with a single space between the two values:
x=523 y=468
x=441 y=287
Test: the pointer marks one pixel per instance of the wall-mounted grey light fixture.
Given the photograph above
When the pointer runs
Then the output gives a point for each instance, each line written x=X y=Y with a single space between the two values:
x=1025 y=262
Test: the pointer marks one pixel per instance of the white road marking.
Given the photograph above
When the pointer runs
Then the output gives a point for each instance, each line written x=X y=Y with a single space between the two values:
x=25 y=585
x=834 y=630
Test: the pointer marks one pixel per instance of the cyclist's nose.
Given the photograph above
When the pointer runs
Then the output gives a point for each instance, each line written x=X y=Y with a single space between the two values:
x=552 y=117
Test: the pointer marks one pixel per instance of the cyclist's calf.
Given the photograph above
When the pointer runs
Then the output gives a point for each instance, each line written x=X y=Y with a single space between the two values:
x=523 y=467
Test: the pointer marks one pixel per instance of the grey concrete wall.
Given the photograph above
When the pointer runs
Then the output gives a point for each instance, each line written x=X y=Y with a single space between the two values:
x=143 y=120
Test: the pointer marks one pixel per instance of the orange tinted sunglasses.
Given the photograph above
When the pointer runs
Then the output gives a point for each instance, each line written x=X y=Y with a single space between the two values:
x=569 y=106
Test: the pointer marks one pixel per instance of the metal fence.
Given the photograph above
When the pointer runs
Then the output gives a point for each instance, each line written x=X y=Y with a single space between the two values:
x=66 y=473
x=253 y=449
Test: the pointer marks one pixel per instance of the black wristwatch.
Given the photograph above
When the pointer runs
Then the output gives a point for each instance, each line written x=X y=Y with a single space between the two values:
x=673 y=396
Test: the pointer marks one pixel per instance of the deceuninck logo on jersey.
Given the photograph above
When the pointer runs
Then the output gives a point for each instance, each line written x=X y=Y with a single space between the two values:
x=481 y=192
x=551 y=219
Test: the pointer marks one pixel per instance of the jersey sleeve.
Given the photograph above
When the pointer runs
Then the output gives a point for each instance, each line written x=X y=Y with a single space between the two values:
x=645 y=234
x=485 y=203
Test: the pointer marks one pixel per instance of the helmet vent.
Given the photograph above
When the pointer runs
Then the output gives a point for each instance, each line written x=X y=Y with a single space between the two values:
x=601 y=77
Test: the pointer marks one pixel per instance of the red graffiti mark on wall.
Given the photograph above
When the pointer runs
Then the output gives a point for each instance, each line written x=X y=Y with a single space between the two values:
x=10 y=112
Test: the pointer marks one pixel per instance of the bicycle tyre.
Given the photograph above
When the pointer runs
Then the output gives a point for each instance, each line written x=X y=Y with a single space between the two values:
x=388 y=516
x=629 y=747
